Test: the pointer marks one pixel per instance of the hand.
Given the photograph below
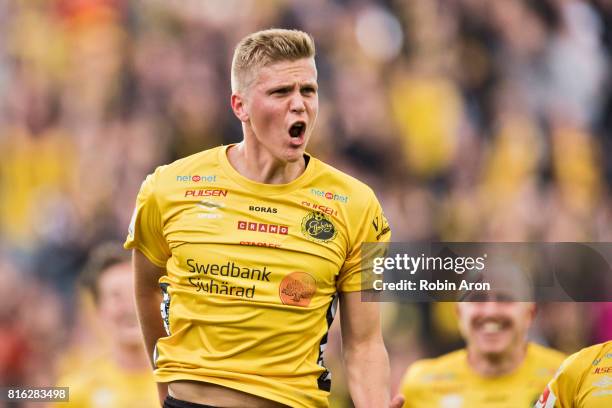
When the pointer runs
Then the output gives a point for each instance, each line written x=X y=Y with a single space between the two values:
x=397 y=401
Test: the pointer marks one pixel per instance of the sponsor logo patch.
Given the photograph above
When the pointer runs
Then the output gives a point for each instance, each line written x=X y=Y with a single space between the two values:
x=317 y=226
x=209 y=209
x=603 y=370
x=601 y=393
x=260 y=244
x=603 y=382
x=209 y=205
x=598 y=360
x=380 y=225
x=206 y=192
x=329 y=195
x=297 y=289
x=263 y=227
x=259 y=208
x=196 y=178
x=318 y=207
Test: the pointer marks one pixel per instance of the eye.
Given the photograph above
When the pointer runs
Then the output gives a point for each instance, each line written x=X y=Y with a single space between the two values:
x=309 y=90
x=280 y=91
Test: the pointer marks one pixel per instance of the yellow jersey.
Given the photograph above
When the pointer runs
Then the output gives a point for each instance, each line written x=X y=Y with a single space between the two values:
x=253 y=271
x=102 y=384
x=449 y=382
x=584 y=380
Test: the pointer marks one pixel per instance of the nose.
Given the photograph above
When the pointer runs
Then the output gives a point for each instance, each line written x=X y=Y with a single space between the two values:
x=490 y=308
x=297 y=104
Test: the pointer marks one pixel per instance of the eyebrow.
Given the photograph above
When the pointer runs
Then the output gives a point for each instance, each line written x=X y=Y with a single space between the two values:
x=290 y=86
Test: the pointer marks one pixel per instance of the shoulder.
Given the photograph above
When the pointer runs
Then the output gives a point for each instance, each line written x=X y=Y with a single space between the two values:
x=435 y=369
x=183 y=169
x=577 y=365
x=591 y=356
x=199 y=167
x=545 y=356
x=602 y=349
x=82 y=378
x=340 y=186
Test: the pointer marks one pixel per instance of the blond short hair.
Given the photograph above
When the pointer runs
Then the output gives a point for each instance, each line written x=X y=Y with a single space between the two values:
x=265 y=47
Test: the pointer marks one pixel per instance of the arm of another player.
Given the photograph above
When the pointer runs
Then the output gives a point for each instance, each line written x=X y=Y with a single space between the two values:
x=364 y=353
x=148 y=298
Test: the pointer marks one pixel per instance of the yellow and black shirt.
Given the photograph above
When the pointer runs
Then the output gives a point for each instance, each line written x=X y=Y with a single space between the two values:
x=252 y=271
x=584 y=380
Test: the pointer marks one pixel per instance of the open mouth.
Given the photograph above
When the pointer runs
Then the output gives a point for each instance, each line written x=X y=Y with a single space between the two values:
x=297 y=129
x=492 y=327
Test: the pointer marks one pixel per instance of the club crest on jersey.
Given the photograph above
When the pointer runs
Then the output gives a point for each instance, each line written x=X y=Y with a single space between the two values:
x=297 y=289
x=317 y=226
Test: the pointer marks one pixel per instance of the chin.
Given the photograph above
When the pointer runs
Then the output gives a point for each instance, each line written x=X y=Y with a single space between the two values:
x=129 y=336
x=130 y=341
x=493 y=349
x=493 y=352
x=295 y=156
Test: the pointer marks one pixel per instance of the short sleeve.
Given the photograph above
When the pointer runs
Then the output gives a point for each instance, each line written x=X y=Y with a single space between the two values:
x=371 y=227
x=146 y=227
x=561 y=390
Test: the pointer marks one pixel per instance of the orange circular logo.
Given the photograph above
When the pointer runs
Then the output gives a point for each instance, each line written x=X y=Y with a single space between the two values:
x=297 y=289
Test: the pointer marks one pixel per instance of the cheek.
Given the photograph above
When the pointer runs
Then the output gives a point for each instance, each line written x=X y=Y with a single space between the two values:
x=314 y=107
x=108 y=314
x=522 y=322
x=117 y=304
x=465 y=324
x=265 y=116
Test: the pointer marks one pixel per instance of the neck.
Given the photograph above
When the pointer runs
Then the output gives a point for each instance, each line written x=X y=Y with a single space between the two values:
x=258 y=165
x=130 y=358
x=495 y=365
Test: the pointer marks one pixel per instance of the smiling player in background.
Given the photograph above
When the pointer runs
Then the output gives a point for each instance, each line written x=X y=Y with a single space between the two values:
x=120 y=376
x=498 y=368
x=252 y=245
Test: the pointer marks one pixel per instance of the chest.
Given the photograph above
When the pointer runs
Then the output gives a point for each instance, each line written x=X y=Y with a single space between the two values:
x=209 y=228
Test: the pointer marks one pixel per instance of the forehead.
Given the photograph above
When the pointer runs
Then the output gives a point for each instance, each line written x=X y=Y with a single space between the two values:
x=302 y=70
x=117 y=275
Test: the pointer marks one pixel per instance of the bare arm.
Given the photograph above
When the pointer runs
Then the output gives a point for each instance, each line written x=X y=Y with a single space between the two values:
x=363 y=351
x=148 y=298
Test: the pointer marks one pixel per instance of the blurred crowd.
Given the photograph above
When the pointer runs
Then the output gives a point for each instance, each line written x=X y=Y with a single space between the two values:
x=473 y=120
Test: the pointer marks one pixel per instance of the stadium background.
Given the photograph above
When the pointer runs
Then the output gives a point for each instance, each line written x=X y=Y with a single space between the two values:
x=473 y=120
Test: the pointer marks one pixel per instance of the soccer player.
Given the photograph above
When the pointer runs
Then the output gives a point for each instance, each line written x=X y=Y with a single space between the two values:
x=120 y=377
x=584 y=380
x=252 y=244
x=498 y=367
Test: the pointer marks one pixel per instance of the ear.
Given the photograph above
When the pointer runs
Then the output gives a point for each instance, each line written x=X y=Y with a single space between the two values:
x=239 y=107
x=533 y=310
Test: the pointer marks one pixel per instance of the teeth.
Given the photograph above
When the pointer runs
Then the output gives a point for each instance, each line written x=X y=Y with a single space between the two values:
x=491 y=327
